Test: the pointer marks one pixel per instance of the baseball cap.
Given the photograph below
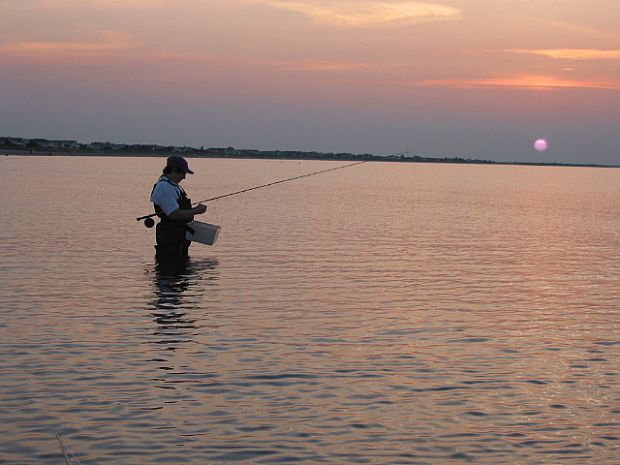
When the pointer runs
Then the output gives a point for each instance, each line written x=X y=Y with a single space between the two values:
x=179 y=163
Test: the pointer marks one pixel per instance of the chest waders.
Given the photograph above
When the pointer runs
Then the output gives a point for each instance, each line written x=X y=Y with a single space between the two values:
x=170 y=234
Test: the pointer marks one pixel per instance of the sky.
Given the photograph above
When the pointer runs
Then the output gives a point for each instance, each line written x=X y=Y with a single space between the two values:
x=480 y=79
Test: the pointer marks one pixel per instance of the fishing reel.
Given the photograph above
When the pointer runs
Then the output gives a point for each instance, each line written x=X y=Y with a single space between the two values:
x=149 y=222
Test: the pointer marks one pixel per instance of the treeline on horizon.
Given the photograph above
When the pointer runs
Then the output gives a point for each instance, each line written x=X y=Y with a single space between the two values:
x=39 y=146
x=46 y=146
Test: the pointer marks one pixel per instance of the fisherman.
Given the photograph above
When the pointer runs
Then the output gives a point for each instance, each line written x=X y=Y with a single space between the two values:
x=175 y=210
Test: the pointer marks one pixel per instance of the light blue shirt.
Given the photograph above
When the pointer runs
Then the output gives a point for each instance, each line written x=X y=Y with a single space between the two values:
x=166 y=194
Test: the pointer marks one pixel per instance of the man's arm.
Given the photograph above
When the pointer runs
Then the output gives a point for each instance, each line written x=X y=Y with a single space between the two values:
x=187 y=214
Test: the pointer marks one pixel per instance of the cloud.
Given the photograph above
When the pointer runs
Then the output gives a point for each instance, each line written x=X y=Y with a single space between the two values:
x=108 y=4
x=108 y=41
x=523 y=82
x=572 y=53
x=576 y=29
x=367 y=13
x=297 y=65
x=328 y=66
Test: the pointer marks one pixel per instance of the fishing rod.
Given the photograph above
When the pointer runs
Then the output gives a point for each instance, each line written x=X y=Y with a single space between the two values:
x=148 y=219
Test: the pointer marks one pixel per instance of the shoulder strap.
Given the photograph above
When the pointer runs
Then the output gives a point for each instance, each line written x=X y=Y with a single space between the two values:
x=165 y=179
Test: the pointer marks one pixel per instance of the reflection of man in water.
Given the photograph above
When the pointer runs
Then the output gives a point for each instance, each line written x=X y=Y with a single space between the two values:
x=174 y=209
x=176 y=294
x=169 y=310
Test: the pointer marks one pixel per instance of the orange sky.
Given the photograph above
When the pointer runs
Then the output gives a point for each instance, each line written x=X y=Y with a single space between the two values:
x=473 y=78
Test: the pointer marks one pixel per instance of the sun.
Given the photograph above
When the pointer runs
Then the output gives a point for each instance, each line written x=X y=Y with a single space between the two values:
x=541 y=145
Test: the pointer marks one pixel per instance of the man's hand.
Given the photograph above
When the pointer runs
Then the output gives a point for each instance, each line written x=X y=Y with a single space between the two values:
x=200 y=208
x=187 y=214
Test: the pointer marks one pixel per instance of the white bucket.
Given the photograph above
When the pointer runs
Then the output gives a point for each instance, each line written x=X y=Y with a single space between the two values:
x=204 y=233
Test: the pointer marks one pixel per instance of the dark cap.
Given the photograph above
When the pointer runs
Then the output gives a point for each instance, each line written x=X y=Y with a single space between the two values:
x=179 y=163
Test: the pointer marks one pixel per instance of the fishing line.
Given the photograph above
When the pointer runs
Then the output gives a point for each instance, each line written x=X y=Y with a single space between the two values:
x=211 y=199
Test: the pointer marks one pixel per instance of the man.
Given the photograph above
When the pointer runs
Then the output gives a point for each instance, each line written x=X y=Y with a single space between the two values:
x=174 y=209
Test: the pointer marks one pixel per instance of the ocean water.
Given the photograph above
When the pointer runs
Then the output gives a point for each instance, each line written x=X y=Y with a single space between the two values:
x=386 y=313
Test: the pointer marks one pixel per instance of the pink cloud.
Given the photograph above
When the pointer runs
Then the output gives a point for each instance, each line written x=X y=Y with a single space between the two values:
x=522 y=82
x=572 y=53
x=370 y=13
x=106 y=43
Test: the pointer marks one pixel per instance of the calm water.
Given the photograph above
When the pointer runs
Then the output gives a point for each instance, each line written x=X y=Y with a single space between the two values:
x=383 y=314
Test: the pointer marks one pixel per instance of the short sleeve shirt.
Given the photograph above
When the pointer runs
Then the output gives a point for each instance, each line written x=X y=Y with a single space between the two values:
x=166 y=194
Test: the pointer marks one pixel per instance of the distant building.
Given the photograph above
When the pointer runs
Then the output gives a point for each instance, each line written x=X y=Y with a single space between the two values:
x=67 y=144
x=99 y=146
x=13 y=142
x=60 y=144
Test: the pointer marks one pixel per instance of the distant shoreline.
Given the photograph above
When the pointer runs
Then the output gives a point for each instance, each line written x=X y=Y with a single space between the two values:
x=287 y=155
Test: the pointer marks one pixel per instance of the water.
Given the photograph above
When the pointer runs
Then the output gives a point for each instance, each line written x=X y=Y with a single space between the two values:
x=383 y=314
